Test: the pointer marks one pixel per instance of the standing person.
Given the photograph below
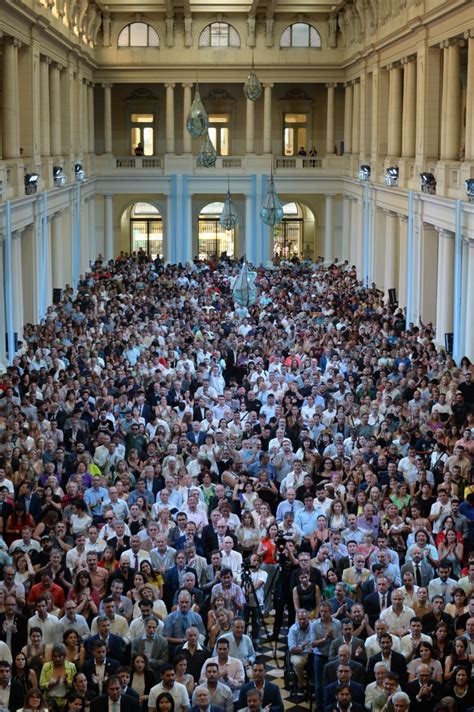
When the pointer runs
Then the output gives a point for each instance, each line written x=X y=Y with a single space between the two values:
x=271 y=696
x=221 y=694
x=168 y=684
x=325 y=629
x=115 y=700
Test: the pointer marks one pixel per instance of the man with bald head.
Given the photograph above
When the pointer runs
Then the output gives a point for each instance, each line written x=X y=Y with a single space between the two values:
x=343 y=658
x=425 y=691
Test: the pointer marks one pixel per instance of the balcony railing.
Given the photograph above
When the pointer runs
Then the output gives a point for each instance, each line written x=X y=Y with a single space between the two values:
x=299 y=162
x=138 y=162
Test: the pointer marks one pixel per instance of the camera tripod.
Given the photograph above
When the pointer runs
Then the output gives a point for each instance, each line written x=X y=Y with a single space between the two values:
x=250 y=593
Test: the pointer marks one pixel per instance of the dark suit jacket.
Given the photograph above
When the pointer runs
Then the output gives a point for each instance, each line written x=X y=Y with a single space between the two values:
x=127 y=704
x=130 y=692
x=330 y=672
x=398 y=664
x=20 y=635
x=199 y=413
x=357 y=692
x=426 y=571
x=172 y=584
x=271 y=696
x=115 y=646
x=212 y=708
x=427 y=703
x=35 y=506
x=89 y=670
x=356 y=643
x=371 y=605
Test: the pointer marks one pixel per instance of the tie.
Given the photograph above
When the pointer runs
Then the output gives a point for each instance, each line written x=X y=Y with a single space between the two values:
x=115 y=707
x=185 y=624
x=384 y=602
x=292 y=508
x=136 y=562
x=418 y=574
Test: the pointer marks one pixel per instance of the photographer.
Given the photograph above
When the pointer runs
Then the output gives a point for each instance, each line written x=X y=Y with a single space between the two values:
x=287 y=565
x=253 y=609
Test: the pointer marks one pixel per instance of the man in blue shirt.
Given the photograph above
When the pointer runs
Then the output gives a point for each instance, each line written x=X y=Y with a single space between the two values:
x=177 y=623
x=300 y=638
x=306 y=518
x=95 y=496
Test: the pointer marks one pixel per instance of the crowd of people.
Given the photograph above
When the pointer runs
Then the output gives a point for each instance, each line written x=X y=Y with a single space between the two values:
x=184 y=478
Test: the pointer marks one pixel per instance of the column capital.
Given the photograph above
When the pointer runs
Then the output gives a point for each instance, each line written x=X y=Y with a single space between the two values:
x=106 y=86
x=443 y=232
x=410 y=58
x=390 y=213
x=16 y=234
x=187 y=85
x=45 y=59
x=355 y=81
x=348 y=85
x=10 y=40
x=469 y=34
x=403 y=219
x=55 y=65
x=394 y=65
x=456 y=42
x=169 y=85
x=331 y=85
x=268 y=85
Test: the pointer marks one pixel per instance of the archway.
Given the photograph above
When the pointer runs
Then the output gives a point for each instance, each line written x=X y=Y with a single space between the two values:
x=213 y=240
x=146 y=229
x=294 y=236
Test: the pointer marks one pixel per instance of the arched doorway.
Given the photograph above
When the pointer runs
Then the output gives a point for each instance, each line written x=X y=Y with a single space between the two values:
x=213 y=240
x=146 y=229
x=288 y=235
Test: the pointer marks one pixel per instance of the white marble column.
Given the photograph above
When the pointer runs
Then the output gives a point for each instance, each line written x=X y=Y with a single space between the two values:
x=391 y=252
x=17 y=284
x=170 y=117
x=44 y=107
x=108 y=226
x=329 y=228
x=107 y=118
x=330 y=140
x=93 y=251
x=470 y=97
x=57 y=251
x=346 y=227
x=29 y=275
x=444 y=98
x=453 y=102
x=348 y=119
x=353 y=236
x=402 y=261
x=267 y=118
x=55 y=108
x=395 y=111
x=356 y=118
x=409 y=108
x=445 y=291
x=469 y=315
x=90 y=117
x=187 y=139
x=10 y=99
x=250 y=127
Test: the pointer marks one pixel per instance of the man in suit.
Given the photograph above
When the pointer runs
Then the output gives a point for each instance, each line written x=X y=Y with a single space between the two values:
x=124 y=674
x=114 y=643
x=158 y=654
x=344 y=675
x=377 y=601
x=395 y=661
x=115 y=699
x=271 y=697
x=419 y=567
x=343 y=658
x=13 y=626
x=203 y=699
x=356 y=645
x=31 y=501
x=199 y=410
x=344 y=701
x=174 y=577
x=355 y=576
x=424 y=692
x=99 y=668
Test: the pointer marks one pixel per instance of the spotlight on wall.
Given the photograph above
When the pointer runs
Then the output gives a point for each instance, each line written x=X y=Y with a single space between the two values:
x=391 y=176
x=428 y=183
x=58 y=176
x=469 y=183
x=79 y=172
x=31 y=183
x=364 y=172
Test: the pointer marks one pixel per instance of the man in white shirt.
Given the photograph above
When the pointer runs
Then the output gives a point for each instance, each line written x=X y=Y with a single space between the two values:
x=136 y=554
x=231 y=670
x=439 y=510
x=231 y=559
x=397 y=616
x=443 y=585
x=168 y=684
x=49 y=624
x=372 y=643
x=76 y=558
x=410 y=642
x=118 y=624
x=73 y=621
x=26 y=543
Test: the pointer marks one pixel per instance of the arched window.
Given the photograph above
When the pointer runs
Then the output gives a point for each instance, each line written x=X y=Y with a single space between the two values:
x=146 y=230
x=300 y=34
x=213 y=240
x=219 y=34
x=138 y=34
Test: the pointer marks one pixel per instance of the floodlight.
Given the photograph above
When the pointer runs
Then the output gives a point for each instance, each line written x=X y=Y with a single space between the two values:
x=364 y=172
x=58 y=176
x=79 y=172
x=428 y=183
x=31 y=183
x=391 y=176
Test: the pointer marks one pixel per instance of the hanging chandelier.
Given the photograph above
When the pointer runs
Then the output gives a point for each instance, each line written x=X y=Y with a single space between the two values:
x=229 y=218
x=271 y=211
x=207 y=156
x=197 y=120
x=253 y=87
